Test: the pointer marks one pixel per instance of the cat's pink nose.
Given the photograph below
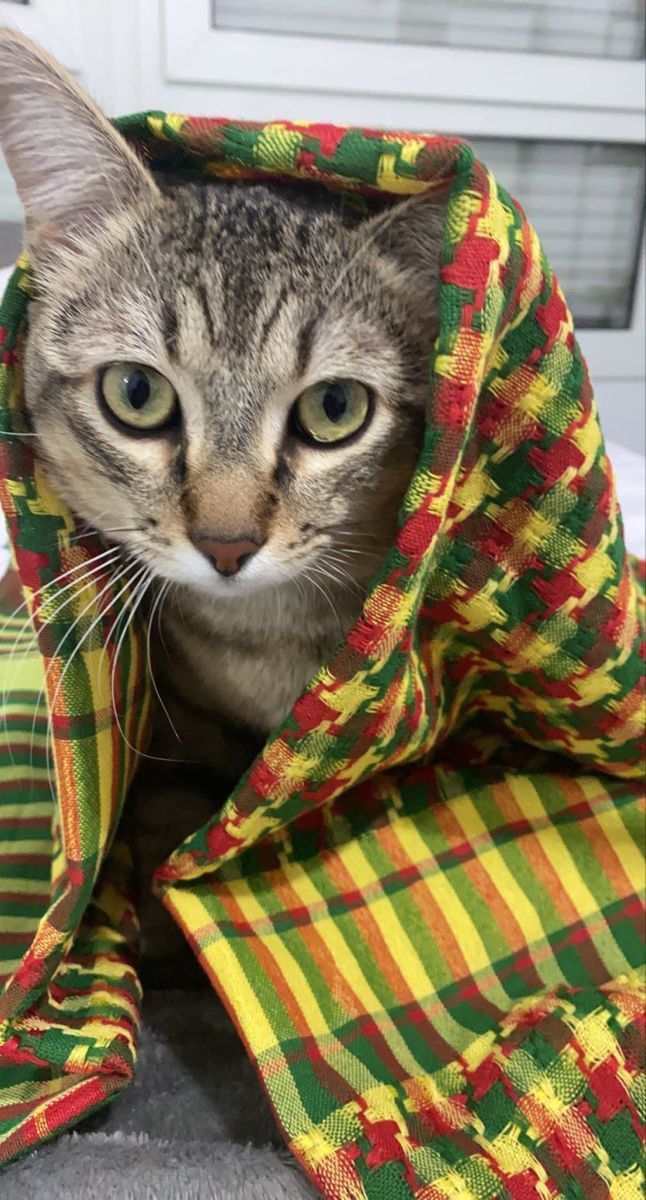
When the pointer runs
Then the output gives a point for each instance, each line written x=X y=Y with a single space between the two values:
x=227 y=557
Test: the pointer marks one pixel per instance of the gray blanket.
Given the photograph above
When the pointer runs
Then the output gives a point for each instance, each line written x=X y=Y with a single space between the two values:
x=195 y=1125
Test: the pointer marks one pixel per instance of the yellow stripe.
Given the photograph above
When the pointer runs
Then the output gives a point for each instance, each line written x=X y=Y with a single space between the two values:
x=18 y=1093
x=17 y=772
x=446 y=897
x=624 y=847
x=25 y=675
x=498 y=872
x=389 y=181
x=289 y=968
x=97 y=998
x=35 y=809
x=388 y=922
x=557 y=853
x=24 y=924
x=383 y=912
x=29 y=846
x=24 y=885
x=227 y=968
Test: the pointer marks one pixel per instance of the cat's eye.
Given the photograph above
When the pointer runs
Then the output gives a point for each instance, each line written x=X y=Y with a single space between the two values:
x=332 y=411
x=139 y=397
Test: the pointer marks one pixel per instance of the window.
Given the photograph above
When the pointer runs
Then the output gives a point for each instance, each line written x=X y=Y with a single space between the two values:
x=585 y=199
x=603 y=28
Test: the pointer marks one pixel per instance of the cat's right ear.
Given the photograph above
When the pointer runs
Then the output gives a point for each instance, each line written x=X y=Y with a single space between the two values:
x=69 y=165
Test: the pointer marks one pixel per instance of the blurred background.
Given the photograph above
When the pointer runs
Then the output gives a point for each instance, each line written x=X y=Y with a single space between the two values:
x=550 y=92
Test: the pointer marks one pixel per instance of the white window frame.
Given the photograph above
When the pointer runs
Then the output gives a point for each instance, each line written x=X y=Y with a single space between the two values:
x=199 y=52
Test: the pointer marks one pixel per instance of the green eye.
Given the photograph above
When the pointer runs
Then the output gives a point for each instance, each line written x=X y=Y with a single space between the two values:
x=138 y=396
x=332 y=411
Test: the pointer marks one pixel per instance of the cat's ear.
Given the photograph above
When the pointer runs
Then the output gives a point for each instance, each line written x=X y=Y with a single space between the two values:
x=409 y=236
x=69 y=165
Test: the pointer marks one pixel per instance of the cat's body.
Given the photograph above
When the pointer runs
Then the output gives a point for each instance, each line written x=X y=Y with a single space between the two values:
x=249 y=666
x=284 y=339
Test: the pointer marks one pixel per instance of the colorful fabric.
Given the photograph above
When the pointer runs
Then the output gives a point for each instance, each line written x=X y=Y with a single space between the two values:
x=423 y=904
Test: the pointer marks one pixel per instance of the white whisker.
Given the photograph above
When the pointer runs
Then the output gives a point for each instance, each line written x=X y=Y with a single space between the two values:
x=165 y=590
x=135 y=600
x=111 y=582
x=139 y=571
x=103 y=532
x=156 y=605
x=81 y=583
x=338 y=576
x=138 y=590
x=54 y=583
x=319 y=588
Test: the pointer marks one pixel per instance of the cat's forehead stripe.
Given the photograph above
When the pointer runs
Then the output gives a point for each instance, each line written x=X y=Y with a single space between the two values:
x=169 y=326
x=304 y=345
x=203 y=300
x=270 y=321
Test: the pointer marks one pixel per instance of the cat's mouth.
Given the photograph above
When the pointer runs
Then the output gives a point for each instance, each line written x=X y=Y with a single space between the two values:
x=228 y=571
x=233 y=571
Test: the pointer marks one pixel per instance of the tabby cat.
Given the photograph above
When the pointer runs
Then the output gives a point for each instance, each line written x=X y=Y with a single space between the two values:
x=228 y=381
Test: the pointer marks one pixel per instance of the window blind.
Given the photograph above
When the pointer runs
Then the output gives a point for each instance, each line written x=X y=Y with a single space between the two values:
x=598 y=28
x=585 y=199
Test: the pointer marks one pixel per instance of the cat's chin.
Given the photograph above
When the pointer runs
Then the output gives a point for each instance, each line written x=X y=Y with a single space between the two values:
x=228 y=588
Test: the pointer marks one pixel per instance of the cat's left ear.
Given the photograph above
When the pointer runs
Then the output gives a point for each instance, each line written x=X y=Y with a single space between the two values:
x=409 y=235
x=69 y=165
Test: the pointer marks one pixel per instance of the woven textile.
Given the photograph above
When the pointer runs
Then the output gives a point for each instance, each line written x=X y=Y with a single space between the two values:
x=423 y=904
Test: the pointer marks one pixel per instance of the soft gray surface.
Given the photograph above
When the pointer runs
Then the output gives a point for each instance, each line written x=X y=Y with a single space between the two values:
x=195 y=1125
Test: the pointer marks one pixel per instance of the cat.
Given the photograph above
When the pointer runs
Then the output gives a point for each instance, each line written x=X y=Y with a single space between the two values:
x=228 y=381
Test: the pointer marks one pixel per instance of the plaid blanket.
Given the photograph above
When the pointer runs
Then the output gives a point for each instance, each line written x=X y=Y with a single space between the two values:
x=421 y=905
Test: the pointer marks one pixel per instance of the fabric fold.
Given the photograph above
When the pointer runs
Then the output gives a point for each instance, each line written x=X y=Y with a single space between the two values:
x=423 y=903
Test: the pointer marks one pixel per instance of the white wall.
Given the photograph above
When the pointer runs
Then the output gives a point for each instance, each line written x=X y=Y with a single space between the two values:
x=622 y=409
x=9 y=241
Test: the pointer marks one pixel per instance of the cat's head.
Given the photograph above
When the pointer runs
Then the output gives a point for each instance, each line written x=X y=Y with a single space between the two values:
x=228 y=379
